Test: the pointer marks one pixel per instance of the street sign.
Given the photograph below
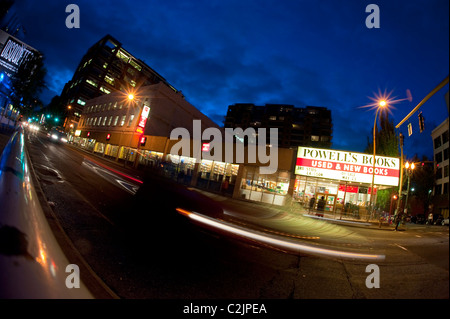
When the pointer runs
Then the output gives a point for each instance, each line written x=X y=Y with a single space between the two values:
x=409 y=129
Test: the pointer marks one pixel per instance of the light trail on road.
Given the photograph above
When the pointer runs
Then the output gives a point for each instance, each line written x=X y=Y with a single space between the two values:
x=276 y=241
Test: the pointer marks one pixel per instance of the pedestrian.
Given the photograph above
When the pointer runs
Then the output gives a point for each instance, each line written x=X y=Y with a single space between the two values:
x=430 y=219
x=321 y=206
x=398 y=220
x=225 y=185
x=311 y=203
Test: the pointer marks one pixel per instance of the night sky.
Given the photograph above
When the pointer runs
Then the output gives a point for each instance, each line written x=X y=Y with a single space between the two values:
x=222 y=52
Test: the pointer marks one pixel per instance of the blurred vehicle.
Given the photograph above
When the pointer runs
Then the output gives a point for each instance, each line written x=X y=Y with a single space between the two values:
x=420 y=219
x=32 y=126
x=439 y=220
x=57 y=136
x=445 y=221
x=155 y=204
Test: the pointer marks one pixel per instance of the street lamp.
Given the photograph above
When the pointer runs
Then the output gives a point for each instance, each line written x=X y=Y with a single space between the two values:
x=381 y=105
x=409 y=169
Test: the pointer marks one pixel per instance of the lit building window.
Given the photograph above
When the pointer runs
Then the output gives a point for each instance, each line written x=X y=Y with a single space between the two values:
x=130 y=121
x=122 y=122
x=135 y=65
x=81 y=102
x=116 y=120
x=104 y=121
x=314 y=138
x=123 y=56
x=99 y=121
x=110 y=120
x=104 y=90
x=91 y=82
x=109 y=79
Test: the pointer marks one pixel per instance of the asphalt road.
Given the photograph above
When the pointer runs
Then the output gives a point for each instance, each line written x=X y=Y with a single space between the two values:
x=134 y=253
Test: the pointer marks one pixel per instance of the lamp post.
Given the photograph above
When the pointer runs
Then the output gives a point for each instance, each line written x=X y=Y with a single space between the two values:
x=381 y=105
x=132 y=98
x=409 y=169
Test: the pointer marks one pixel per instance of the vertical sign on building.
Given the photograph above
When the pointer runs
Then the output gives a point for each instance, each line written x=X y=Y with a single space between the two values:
x=143 y=119
x=13 y=54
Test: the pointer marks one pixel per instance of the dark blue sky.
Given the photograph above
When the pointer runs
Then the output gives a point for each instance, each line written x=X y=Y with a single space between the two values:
x=221 y=52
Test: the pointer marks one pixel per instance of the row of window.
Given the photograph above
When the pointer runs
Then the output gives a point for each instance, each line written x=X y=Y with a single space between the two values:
x=107 y=121
x=103 y=107
x=441 y=189
x=439 y=172
x=441 y=139
x=441 y=156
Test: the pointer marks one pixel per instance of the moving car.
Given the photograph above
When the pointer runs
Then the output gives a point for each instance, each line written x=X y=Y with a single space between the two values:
x=57 y=136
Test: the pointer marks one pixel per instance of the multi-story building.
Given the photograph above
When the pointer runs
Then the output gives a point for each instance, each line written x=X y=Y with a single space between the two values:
x=106 y=67
x=441 y=163
x=137 y=129
x=309 y=126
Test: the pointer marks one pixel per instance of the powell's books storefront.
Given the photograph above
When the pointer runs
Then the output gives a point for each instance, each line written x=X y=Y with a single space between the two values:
x=342 y=178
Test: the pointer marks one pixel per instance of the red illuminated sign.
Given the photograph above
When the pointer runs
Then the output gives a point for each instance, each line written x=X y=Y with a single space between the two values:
x=143 y=119
x=88 y=134
x=108 y=136
x=205 y=147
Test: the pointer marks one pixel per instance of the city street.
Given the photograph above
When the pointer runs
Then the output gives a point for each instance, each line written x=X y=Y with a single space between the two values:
x=130 y=251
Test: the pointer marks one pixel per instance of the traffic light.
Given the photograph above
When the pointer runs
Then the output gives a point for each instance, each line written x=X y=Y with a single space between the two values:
x=402 y=138
x=108 y=136
x=421 y=122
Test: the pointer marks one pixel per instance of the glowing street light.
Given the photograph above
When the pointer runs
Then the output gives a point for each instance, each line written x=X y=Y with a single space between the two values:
x=131 y=96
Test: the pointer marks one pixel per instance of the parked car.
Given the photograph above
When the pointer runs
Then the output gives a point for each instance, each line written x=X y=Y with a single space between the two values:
x=445 y=221
x=438 y=220
x=420 y=219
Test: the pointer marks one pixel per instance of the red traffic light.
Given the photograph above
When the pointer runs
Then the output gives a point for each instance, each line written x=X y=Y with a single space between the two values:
x=108 y=136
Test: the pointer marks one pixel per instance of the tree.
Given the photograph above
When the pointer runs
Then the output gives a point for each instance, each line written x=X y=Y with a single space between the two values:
x=28 y=83
x=387 y=143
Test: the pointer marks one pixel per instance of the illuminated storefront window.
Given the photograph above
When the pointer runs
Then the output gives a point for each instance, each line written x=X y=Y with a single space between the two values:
x=111 y=150
x=267 y=188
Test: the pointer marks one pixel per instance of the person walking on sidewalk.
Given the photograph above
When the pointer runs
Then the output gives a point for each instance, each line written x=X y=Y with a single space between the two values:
x=311 y=203
x=321 y=206
x=430 y=219
x=399 y=219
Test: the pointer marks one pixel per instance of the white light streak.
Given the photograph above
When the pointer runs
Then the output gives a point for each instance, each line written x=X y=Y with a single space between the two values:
x=276 y=241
